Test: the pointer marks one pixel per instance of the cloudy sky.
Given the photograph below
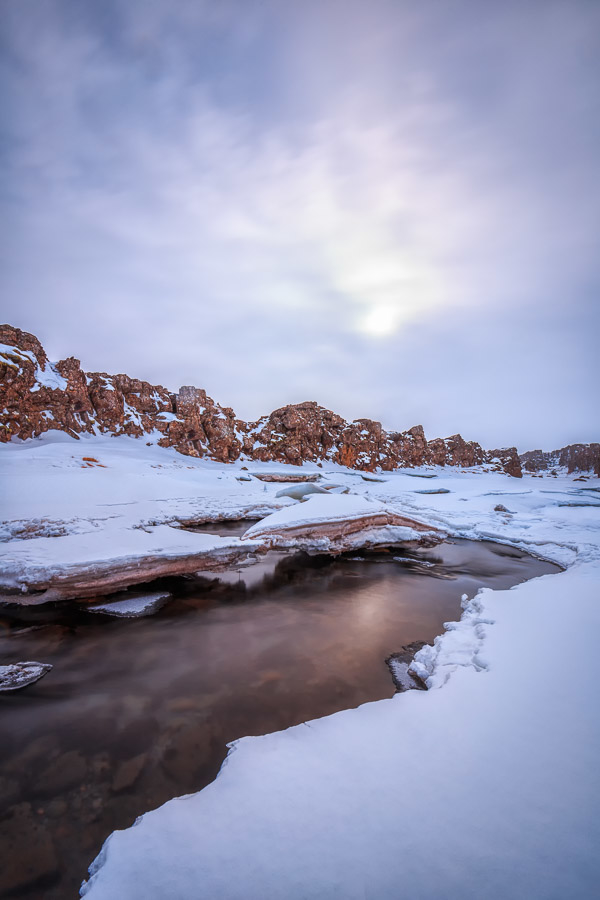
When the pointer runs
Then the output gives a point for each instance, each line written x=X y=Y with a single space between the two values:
x=390 y=207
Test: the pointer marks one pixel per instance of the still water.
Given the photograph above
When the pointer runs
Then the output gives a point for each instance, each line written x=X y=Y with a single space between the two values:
x=136 y=711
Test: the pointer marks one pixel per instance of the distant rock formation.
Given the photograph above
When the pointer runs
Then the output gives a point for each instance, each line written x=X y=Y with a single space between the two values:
x=37 y=396
x=573 y=457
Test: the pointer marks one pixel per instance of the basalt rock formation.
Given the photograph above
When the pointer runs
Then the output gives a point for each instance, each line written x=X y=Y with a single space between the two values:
x=37 y=396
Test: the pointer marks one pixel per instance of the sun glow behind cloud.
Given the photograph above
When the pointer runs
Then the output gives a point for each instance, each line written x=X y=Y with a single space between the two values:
x=341 y=192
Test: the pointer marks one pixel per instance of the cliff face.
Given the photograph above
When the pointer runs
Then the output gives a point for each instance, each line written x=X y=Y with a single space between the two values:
x=574 y=457
x=36 y=396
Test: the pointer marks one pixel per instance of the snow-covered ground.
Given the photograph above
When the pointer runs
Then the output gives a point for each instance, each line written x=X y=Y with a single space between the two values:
x=90 y=517
x=485 y=786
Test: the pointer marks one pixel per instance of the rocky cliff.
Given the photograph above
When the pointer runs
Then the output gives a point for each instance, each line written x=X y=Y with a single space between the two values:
x=37 y=395
x=574 y=458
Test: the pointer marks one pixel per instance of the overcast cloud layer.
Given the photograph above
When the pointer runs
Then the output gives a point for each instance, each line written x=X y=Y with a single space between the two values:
x=390 y=207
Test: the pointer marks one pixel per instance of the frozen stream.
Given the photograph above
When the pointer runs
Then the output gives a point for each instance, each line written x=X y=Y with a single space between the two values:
x=136 y=711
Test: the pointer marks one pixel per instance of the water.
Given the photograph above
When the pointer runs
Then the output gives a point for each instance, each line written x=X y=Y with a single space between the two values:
x=137 y=711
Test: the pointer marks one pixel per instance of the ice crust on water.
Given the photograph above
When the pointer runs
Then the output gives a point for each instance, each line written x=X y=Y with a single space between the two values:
x=131 y=606
x=19 y=675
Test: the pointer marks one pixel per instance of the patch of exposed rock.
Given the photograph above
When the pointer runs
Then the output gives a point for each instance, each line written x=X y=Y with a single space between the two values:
x=573 y=457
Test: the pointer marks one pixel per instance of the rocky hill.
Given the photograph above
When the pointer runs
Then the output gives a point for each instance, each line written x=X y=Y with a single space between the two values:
x=574 y=458
x=37 y=395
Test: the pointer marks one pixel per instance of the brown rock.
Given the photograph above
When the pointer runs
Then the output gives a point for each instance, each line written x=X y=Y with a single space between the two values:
x=65 y=772
x=455 y=451
x=27 y=854
x=574 y=457
x=128 y=772
x=37 y=396
x=507 y=459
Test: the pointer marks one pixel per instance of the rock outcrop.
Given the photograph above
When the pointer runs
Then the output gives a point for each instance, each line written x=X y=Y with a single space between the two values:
x=573 y=457
x=37 y=395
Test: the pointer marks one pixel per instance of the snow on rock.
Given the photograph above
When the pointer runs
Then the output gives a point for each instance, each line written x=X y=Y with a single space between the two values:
x=131 y=606
x=104 y=561
x=300 y=491
x=49 y=377
x=19 y=675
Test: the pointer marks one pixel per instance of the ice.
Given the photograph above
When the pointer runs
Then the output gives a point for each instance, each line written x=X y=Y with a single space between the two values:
x=19 y=675
x=131 y=606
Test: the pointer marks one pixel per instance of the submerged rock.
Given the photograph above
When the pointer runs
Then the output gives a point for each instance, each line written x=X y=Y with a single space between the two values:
x=63 y=773
x=27 y=853
x=399 y=665
x=128 y=772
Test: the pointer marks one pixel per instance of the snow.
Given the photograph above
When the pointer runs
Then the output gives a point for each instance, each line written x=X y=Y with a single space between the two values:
x=24 y=561
x=486 y=785
x=307 y=526
x=50 y=378
x=106 y=560
x=317 y=509
x=14 y=356
x=46 y=487
x=300 y=491
x=46 y=376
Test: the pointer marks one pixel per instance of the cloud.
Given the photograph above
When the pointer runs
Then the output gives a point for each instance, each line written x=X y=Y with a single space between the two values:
x=279 y=202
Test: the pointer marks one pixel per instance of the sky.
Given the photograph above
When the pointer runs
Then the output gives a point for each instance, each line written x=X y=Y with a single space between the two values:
x=390 y=207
